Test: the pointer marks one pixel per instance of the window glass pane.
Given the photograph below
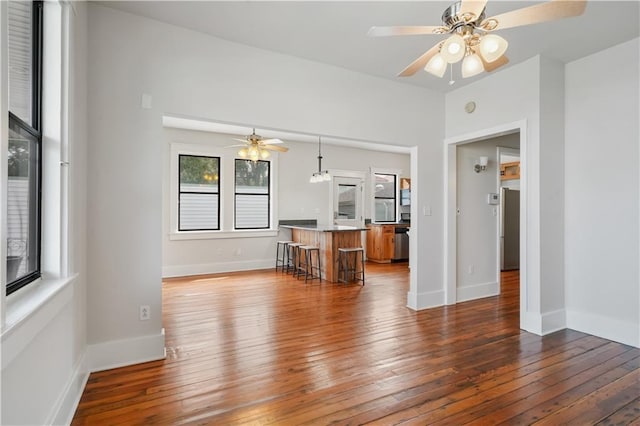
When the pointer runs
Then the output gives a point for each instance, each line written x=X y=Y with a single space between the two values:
x=199 y=174
x=252 y=211
x=199 y=198
x=20 y=43
x=22 y=204
x=385 y=186
x=198 y=212
x=252 y=177
x=385 y=210
x=346 y=201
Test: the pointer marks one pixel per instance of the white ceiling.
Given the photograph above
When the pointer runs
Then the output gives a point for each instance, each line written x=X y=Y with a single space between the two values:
x=334 y=32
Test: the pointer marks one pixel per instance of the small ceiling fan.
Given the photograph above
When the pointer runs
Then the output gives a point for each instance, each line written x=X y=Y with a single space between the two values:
x=255 y=147
x=471 y=40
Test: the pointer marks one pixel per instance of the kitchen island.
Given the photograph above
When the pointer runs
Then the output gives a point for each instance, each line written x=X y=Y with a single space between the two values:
x=329 y=239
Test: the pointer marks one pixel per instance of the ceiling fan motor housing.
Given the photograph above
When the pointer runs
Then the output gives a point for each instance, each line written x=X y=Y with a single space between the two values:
x=453 y=20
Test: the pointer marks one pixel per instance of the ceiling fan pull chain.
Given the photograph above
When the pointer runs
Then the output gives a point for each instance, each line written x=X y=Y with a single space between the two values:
x=451 y=80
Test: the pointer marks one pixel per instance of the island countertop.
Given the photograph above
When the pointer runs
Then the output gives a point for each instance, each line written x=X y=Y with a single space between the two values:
x=324 y=228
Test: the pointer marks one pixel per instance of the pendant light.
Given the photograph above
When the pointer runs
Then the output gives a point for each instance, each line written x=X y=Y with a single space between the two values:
x=320 y=175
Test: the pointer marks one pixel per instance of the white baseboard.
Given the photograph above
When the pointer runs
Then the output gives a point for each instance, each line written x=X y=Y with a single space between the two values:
x=477 y=291
x=216 y=268
x=65 y=407
x=120 y=353
x=627 y=333
x=430 y=299
x=546 y=323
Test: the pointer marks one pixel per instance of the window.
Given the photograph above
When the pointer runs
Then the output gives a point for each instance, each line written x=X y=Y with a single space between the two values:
x=25 y=143
x=198 y=193
x=252 y=194
x=385 y=197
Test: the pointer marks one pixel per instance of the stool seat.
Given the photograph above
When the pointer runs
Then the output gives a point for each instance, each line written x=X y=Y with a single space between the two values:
x=348 y=264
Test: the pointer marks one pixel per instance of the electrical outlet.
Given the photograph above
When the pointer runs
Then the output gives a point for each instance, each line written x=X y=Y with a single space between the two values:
x=470 y=270
x=145 y=312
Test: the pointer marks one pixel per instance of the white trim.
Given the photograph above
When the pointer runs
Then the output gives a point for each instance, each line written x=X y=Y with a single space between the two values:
x=169 y=271
x=120 y=353
x=477 y=291
x=214 y=235
x=65 y=408
x=608 y=328
x=553 y=321
x=430 y=299
x=450 y=205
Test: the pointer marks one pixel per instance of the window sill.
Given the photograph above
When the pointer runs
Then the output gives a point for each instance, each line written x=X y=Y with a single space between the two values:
x=215 y=235
x=25 y=302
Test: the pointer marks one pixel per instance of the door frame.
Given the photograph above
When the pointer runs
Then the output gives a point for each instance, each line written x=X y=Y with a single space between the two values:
x=450 y=207
x=500 y=150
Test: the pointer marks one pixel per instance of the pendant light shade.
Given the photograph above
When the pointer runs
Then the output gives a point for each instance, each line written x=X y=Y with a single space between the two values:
x=453 y=49
x=492 y=47
x=436 y=65
x=320 y=175
x=471 y=66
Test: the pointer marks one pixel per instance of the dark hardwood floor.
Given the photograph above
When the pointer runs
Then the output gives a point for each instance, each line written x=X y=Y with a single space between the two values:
x=262 y=348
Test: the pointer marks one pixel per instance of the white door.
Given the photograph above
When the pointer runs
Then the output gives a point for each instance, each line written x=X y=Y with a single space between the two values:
x=348 y=199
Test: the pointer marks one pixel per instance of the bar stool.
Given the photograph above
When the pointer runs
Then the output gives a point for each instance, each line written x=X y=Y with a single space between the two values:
x=348 y=264
x=282 y=254
x=306 y=266
x=293 y=254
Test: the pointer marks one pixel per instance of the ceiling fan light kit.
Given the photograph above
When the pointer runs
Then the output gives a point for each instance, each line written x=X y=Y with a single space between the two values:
x=256 y=148
x=471 y=40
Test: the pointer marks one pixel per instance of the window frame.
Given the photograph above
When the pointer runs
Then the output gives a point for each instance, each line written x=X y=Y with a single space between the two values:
x=235 y=196
x=394 y=198
x=219 y=193
x=34 y=130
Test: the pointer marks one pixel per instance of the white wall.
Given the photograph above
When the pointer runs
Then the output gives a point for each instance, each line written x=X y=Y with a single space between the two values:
x=43 y=370
x=195 y=75
x=602 y=194
x=477 y=223
x=296 y=199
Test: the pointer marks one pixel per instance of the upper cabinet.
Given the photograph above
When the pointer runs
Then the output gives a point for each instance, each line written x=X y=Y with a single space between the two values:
x=405 y=183
x=510 y=170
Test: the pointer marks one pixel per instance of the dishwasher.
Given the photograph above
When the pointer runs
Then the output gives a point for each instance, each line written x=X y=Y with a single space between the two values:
x=401 y=243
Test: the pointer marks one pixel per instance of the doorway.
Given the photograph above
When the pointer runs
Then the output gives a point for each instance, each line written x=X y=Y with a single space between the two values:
x=450 y=240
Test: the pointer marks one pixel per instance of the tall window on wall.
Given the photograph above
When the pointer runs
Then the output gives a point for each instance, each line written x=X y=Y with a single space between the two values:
x=385 y=197
x=252 y=194
x=25 y=143
x=198 y=193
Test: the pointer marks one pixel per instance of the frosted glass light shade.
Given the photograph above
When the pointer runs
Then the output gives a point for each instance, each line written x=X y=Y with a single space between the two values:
x=243 y=152
x=453 y=49
x=492 y=47
x=264 y=154
x=484 y=161
x=436 y=65
x=326 y=177
x=471 y=66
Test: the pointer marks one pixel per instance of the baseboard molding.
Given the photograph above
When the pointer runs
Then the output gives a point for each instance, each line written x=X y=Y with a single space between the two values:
x=546 y=323
x=430 y=299
x=627 y=333
x=477 y=291
x=65 y=407
x=120 y=353
x=215 y=268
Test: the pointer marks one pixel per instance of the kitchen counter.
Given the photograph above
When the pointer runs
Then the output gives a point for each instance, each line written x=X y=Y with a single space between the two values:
x=329 y=238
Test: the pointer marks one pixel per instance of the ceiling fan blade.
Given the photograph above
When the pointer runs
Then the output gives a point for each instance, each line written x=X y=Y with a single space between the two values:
x=234 y=146
x=474 y=7
x=405 y=30
x=270 y=141
x=240 y=140
x=491 y=66
x=543 y=12
x=419 y=63
x=275 y=148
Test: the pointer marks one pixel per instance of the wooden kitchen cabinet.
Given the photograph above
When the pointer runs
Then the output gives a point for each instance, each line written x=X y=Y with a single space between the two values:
x=510 y=170
x=380 y=243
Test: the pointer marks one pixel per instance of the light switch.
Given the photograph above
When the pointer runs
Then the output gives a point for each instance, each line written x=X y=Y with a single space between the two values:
x=146 y=101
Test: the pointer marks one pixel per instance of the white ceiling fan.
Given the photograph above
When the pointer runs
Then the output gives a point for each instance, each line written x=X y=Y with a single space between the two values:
x=471 y=39
x=254 y=147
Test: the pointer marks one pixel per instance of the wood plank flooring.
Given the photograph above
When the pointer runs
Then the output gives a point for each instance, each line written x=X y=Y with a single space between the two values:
x=261 y=348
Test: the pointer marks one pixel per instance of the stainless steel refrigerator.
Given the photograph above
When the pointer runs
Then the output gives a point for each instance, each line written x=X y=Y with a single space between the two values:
x=509 y=229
